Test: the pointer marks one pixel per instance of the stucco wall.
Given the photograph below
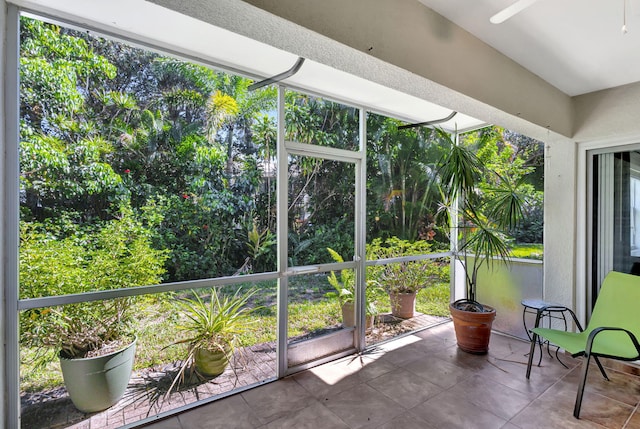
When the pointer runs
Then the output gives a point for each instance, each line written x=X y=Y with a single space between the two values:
x=559 y=220
x=610 y=114
x=407 y=34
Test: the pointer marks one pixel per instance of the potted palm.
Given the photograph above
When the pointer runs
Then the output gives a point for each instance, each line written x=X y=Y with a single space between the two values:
x=483 y=216
x=344 y=292
x=94 y=341
x=212 y=329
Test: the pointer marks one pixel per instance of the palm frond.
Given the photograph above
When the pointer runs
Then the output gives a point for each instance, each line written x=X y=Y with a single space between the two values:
x=506 y=206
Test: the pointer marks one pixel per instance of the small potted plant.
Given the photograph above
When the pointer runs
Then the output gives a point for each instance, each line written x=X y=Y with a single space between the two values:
x=402 y=281
x=344 y=292
x=212 y=328
x=94 y=341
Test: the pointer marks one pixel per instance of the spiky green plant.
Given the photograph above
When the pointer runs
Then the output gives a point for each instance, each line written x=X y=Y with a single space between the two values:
x=213 y=326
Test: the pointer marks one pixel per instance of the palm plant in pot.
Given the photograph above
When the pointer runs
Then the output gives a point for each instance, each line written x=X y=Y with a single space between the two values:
x=344 y=291
x=212 y=329
x=94 y=341
x=483 y=216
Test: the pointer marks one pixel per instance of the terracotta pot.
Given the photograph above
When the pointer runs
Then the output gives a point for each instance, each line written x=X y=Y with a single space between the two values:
x=403 y=305
x=473 y=329
x=349 y=316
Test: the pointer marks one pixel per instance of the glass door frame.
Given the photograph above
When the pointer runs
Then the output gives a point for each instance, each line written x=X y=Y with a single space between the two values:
x=358 y=158
x=586 y=297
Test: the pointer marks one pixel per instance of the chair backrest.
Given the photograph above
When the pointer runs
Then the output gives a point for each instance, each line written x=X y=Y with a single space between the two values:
x=618 y=303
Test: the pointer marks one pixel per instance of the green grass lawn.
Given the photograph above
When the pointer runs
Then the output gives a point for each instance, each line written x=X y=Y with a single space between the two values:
x=434 y=300
x=527 y=251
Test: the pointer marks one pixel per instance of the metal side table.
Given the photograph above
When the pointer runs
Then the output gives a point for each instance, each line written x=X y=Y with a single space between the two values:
x=544 y=311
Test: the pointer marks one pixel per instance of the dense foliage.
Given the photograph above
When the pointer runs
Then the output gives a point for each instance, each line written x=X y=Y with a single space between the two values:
x=118 y=255
x=189 y=153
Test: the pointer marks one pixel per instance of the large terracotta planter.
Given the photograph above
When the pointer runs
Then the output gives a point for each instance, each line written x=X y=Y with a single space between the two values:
x=403 y=305
x=97 y=383
x=349 y=316
x=473 y=329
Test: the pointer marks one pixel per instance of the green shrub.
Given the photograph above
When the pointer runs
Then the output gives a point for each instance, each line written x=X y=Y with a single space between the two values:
x=116 y=256
x=403 y=277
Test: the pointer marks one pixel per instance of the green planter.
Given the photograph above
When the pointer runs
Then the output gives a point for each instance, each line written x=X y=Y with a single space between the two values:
x=97 y=383
x=211 y=364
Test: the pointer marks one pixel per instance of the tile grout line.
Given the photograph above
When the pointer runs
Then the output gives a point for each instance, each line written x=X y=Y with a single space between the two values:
x=540 y=394
x=635 y=409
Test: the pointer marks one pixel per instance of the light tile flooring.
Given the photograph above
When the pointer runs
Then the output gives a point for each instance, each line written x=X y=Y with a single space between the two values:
x=424 y=381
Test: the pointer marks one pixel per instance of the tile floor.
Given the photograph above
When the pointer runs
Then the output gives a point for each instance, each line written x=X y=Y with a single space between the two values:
x=424 y=381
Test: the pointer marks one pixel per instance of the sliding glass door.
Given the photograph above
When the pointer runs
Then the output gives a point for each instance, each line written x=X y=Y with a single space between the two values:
x=615 y=226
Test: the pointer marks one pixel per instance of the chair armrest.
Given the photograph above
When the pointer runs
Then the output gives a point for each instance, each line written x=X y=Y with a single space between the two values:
x=557 y=308
x=595 y=332
x=575 y=320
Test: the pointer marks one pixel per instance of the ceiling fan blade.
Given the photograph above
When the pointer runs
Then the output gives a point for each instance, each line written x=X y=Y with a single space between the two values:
x=508 y=12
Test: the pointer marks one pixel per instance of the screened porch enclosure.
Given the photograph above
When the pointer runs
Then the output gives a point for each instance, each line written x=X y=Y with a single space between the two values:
x=152 y=185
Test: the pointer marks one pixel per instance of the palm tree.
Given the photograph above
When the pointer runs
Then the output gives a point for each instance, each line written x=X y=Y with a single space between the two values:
x=484 y=213
x=405 y=182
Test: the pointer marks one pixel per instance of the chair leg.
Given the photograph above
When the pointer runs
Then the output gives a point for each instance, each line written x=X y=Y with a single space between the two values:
x=583 y=380
x=534 y=340
x=604 y=374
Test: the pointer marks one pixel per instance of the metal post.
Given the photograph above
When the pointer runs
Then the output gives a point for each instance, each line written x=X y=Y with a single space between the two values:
x=453 y=246
x=282 y=217
x=360 y=235
x=10 y=216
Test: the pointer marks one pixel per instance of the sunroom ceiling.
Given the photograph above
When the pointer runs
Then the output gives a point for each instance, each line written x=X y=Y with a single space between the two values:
x=575 y=45
x=146 y=22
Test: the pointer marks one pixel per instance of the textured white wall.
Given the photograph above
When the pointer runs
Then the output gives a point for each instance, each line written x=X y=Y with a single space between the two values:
x=610 y=114
x=559 y=221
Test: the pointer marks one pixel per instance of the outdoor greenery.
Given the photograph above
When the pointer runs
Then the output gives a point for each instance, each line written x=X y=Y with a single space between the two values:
x=344 y=285
x=189 y=152
x=139 y=169
x=156 y=321
x=116 y=256
x=527 y=251
x=404 y=277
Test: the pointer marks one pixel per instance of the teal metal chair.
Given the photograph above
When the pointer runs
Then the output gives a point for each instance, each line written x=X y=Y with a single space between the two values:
x=612 y=331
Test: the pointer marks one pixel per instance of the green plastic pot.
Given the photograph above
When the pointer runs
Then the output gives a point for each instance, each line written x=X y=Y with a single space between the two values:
x=97 y=383
x=211 y=363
